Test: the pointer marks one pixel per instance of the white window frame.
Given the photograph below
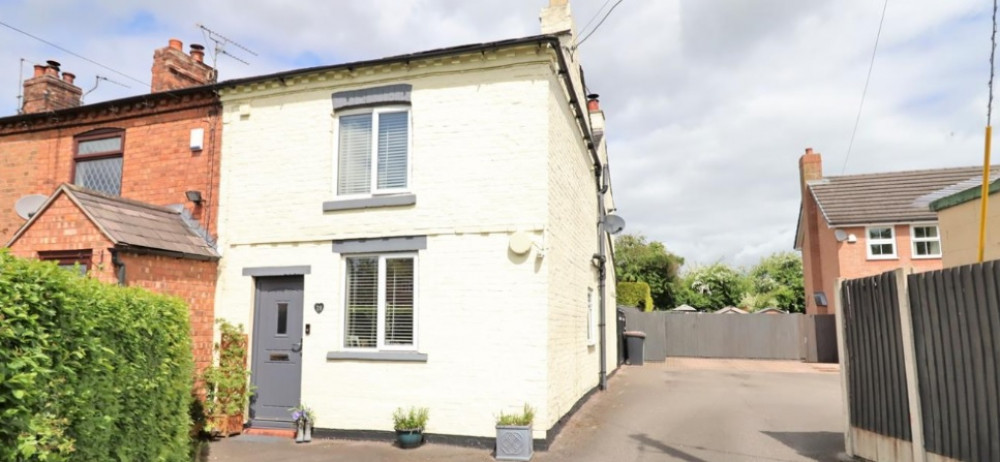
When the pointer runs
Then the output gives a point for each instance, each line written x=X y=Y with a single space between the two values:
x=914 y=239
x=373 y=174
x=892 y=240
x=380 y=305
x=591 y=318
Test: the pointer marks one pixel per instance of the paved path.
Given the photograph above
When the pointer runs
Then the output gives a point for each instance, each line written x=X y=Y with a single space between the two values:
x=686 y=410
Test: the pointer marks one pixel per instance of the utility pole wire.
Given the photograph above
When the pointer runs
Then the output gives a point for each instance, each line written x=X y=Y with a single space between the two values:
x=864 y=92
x=72 y=53
x=598 y=26
x=993 y=51
x=592 y=18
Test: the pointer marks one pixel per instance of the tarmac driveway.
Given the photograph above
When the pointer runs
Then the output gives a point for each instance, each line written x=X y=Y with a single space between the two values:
x=684 y=409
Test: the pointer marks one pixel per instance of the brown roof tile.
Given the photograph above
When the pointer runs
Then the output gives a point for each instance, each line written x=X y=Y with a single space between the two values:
x=885 y=197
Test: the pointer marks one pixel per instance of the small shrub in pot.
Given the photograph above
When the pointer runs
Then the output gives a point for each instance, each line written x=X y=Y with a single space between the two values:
x=514 y=441
x=410 y=426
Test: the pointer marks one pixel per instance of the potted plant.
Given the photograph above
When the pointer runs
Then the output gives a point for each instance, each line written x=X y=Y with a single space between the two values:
x=514 y=440
x=409 y=426
x=304 y=419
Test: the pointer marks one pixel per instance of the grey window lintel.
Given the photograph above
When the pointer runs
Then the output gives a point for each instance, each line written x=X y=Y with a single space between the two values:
x=394 y=356
x=261 y=271
x=381 y=244
x=393 y=200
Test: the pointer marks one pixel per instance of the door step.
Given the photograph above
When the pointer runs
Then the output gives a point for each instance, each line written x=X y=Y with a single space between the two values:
x=279 y=432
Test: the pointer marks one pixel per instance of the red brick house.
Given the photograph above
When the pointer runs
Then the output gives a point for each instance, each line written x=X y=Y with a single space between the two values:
x=854 y=226
x=106 y=173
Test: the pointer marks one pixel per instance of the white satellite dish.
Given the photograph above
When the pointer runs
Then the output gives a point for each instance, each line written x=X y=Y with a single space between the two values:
x=28 y=205
x=520 y=243
x=613 y=224
x=840 y=235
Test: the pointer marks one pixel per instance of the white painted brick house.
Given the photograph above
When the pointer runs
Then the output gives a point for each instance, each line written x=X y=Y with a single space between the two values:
x=370 y=221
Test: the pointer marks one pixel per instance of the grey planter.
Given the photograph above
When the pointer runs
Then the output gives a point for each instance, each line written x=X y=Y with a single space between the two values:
x=514 y=443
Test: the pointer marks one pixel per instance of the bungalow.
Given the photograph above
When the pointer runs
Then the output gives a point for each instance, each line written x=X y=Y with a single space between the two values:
x=420 y=230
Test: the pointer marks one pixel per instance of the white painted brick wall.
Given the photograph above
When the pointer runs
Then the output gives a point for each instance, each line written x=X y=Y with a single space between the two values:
x=485 y=150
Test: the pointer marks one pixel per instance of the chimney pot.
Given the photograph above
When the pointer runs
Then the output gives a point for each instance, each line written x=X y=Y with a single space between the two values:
x=39 y=70
x=68 y=77
x=53 y=64
x=593 y=102
x=809 y=151
x=53 y=71
x=198 y=52
x=176 y=44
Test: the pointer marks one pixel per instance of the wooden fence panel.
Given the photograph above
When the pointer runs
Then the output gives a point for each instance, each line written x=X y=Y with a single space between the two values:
x=876 y=382
x=956 y=314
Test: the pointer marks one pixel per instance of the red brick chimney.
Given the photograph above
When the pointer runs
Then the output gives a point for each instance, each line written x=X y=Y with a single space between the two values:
x=45 y=91
x=810 y=167
x=173 y=70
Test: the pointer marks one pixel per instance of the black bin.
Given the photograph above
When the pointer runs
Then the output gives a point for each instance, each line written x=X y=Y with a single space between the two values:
x=634 y=341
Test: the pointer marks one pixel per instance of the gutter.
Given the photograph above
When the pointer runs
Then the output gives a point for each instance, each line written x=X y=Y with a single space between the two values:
x=164 y=253
x=600 y=258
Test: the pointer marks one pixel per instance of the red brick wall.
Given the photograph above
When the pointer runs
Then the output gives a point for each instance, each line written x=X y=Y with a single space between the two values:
x=64 y=227
x=191 y=280
x=158 y=164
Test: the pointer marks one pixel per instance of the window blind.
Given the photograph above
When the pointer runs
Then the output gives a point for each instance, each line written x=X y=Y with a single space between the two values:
x=392 y=149
x=354 y=167
x=362 y=303
x=399 y=301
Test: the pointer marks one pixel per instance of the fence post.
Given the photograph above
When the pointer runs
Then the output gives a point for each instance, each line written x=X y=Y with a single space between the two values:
x=910 y=363
x=838 y=304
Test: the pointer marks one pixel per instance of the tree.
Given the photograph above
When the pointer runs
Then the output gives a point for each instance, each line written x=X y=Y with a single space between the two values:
x=639 y=261
x=712 y=287
x=779 y=276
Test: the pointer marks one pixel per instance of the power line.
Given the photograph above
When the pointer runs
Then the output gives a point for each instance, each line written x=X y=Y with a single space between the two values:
x=864 y=92
x=72 y=53
x=993 y=51
x=592 y=18
x=598 y=26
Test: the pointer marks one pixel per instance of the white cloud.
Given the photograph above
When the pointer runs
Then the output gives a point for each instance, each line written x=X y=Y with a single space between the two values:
x=709 y=103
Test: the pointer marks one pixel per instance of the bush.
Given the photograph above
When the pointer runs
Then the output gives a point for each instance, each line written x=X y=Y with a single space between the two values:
x=226 y=383
x=635 y=294
x=90 y=371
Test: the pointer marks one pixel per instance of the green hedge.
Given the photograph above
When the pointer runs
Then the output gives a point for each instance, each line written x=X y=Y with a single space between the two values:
x=90 y=371
x=635 y=294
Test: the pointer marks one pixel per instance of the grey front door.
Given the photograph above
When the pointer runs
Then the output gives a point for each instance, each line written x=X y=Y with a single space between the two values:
x=277 y=351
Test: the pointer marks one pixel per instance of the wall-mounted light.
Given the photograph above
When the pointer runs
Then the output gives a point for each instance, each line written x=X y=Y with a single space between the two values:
x=194 y=196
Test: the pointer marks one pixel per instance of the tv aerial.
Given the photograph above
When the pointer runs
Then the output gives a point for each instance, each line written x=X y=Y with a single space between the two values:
x=221 y=42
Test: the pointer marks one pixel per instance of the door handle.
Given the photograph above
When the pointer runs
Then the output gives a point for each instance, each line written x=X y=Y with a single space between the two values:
x=297 y=347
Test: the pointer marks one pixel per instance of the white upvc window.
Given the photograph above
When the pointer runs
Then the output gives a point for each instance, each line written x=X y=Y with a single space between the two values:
x=591 y=318
x=373 y=151
x=881 y=242
x=926 y=241
x=380 y=310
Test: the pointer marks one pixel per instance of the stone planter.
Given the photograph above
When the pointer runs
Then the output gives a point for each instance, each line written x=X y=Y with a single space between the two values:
x=514 y=443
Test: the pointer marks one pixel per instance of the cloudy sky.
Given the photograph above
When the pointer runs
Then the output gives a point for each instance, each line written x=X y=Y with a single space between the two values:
x=709 y=102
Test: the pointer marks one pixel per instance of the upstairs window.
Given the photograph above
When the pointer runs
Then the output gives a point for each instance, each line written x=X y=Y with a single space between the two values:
x=98 y=162
x=926 y=241
x=373 y=150
x=881 y=242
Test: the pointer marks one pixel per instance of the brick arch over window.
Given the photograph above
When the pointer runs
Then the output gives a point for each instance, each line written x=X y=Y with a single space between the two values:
x=98 y=156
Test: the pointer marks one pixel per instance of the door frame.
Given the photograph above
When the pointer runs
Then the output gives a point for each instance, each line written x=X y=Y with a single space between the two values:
x=256 y=356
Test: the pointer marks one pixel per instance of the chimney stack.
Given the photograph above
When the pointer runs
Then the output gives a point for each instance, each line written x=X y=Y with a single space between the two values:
x=810 y=167
x=45 y=91
x=173 y=70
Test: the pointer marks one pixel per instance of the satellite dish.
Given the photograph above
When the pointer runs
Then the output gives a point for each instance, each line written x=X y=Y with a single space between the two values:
x=840 y=235
x=520 y=243
x=613 y=224
x=28 y=205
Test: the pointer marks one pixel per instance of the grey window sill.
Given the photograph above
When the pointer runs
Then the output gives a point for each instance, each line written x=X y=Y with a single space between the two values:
x=393 y=200
x=394 y=356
